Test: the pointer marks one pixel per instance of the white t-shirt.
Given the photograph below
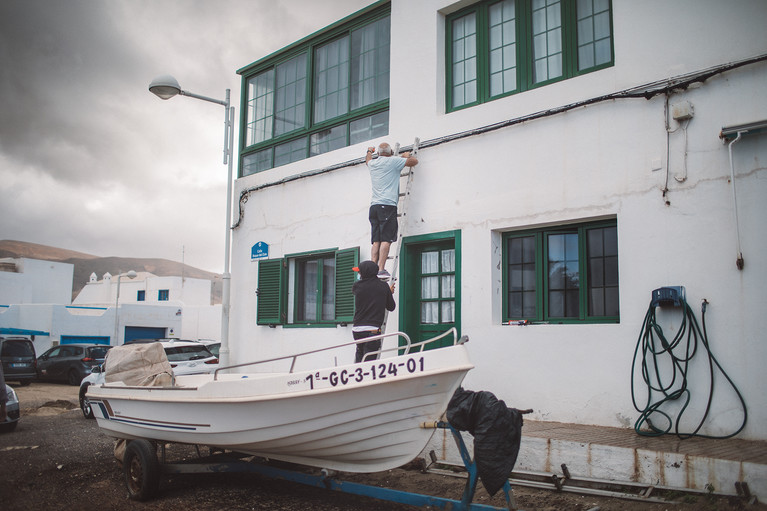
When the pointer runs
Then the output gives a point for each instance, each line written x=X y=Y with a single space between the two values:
x=384 y=176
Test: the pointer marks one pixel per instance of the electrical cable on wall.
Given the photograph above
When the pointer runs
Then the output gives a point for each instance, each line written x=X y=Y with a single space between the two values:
x=654 y=352
x=646 y=91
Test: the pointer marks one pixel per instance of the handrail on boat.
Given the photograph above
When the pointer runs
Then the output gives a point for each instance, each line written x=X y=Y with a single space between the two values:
x=409 y=347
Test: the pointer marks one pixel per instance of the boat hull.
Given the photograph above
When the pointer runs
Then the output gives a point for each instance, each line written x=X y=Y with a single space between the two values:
x=362 y=417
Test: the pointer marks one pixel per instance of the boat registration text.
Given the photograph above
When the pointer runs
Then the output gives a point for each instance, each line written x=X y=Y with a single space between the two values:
x=378 y=371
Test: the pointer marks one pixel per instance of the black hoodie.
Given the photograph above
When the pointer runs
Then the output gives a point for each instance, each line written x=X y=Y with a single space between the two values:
x=372 y=297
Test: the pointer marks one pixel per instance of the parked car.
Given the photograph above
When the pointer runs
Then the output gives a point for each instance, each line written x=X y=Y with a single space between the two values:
x=70 y=362
x=18 y=359
x=185 y=357
x=213 y=346
x=11 y=411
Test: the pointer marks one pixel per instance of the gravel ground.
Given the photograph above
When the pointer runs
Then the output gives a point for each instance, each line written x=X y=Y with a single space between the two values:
x=56 y=459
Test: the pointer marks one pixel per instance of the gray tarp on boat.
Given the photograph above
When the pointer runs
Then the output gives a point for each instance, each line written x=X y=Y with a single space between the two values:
x=143 y=365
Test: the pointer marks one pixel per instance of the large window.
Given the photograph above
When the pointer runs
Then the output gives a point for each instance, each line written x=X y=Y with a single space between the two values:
x=315 y=279
x=311 y=289
x=562 y=274
x=496 y=48
x=438 y=286
x=318 y=95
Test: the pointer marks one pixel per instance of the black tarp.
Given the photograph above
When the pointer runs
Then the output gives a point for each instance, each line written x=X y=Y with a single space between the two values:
x=497 y=432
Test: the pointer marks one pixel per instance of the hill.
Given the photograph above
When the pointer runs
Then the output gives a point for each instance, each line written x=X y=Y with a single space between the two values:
x=85 y=264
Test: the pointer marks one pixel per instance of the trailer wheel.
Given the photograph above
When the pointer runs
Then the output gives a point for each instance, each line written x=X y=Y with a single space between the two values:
x=141 y=470
x=85 y=404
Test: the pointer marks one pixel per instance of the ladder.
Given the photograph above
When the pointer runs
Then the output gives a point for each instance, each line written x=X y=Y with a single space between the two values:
x=404 y=196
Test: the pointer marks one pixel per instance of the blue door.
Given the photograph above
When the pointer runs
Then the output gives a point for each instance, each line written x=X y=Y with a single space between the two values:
x=144 y=332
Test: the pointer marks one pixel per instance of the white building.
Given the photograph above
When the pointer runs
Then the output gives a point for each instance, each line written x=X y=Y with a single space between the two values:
x=570 y=164
x=148 y=307
x=24 y=280
x=144 y=288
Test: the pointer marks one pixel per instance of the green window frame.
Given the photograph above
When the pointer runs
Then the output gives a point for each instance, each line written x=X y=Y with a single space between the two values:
x=163 y=295
x=307 y=289
x=327 y=91
x=562 y=274
x=438 y=269
x=495 y=48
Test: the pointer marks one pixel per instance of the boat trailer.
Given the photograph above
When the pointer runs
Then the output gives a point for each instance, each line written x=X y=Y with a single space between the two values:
x=142 y=471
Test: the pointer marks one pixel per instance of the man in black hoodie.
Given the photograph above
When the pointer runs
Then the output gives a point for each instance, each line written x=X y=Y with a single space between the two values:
x=372 y=298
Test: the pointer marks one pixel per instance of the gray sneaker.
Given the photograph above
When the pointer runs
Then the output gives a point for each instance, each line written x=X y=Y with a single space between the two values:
x=383 y=274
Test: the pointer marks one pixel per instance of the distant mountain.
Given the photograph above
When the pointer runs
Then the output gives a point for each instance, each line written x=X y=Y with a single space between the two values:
x=85 y=264
x=11 y=248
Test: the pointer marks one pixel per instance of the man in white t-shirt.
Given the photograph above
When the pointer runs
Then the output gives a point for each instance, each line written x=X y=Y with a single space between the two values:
x=384 y=177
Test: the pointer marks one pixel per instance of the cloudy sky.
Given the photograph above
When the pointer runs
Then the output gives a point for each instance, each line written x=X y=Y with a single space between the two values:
x=90 y=160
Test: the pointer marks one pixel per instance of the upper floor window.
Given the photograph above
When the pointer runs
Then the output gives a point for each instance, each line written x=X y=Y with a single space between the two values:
x=319 y=95
x=496 y=48
x=163 y=295
x=562 y=274
x=140 y=295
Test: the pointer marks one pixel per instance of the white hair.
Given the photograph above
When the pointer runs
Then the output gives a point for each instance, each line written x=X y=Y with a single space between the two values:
x=385 y=149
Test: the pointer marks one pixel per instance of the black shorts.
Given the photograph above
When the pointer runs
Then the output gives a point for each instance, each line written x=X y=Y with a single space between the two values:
x=383 y=223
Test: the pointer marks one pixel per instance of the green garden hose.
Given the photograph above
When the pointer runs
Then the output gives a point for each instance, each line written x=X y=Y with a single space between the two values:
x=663 y=388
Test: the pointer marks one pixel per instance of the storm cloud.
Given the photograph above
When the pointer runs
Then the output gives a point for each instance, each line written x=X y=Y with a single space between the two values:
x=90 y=160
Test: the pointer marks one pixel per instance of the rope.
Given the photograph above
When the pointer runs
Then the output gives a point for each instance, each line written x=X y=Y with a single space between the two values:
x=663 y=389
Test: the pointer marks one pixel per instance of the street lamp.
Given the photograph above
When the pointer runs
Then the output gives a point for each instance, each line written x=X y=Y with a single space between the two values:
x=165 y=87
x=131 y=275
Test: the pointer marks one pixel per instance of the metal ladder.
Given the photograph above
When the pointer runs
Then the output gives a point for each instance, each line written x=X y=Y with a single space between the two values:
x=404 y=196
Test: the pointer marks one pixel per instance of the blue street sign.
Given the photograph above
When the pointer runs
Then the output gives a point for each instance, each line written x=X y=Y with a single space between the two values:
x=259 y=251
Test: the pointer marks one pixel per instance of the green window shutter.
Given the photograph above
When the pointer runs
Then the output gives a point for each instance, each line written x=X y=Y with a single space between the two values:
x=270 y=309
x=345 y=277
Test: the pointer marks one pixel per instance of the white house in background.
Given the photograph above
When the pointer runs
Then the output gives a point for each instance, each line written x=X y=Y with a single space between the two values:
x=149 y=307
x=152 y=306
x=25 y=283
x=24 y=280
x=572 y=161
x=145 y=288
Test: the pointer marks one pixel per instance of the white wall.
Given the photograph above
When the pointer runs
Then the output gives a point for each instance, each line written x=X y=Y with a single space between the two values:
x=186 y=291
x=201 y=322
x=36 y=281
x=606 y=160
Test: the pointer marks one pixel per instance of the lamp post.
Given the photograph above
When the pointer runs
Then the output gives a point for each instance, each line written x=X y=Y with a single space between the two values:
x=131 y=275
x=165 y=87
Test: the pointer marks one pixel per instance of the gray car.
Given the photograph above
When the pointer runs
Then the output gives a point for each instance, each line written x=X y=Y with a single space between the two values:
x=11 y=410
x=18 y=359
x=70 y=362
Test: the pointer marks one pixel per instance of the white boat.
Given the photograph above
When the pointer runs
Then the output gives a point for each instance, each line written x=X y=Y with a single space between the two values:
x=363 y=417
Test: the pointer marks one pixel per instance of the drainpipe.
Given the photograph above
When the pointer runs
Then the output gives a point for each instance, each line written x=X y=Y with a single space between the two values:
x=739 y=261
